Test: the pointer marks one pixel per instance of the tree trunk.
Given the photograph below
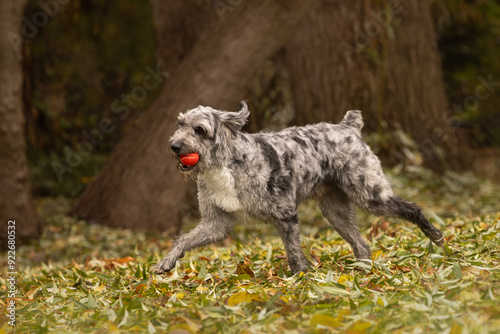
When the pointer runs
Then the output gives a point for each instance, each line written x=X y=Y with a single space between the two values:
x=15 y=193
x=378 y=57
x=415 y=95
x=325 y=82
x=139 y=187
x=179 y=25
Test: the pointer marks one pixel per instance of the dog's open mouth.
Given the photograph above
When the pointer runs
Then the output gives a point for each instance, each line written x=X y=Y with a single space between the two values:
x=188 y=161
x=185 y=168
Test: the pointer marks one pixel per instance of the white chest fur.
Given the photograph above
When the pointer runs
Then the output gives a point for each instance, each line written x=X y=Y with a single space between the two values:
x=220 y=188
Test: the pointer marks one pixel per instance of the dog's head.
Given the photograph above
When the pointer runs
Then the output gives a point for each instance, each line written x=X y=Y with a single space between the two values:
x=208 y=133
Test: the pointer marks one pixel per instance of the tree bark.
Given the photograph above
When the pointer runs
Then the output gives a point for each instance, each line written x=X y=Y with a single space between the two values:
x=378 y=57
x=415 y=95
x=179 y=25
x=15 y=192
x=325 y=81
x=139 y=186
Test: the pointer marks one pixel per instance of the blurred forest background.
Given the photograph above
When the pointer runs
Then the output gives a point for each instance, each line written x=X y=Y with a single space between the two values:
x=100 y=83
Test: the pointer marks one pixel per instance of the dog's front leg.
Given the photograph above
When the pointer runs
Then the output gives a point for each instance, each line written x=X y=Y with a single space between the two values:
x=289 y=232
x=211 y=229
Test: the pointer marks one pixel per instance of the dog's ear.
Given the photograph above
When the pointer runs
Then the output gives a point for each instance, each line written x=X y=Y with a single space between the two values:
x=235 y=120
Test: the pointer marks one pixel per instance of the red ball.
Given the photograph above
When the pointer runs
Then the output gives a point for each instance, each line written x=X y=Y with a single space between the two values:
x=190 y=159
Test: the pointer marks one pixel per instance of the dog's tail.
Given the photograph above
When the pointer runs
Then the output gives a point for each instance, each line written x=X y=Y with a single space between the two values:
x=354 y=119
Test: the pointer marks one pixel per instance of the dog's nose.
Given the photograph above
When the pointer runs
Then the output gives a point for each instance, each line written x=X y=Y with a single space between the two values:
x=176 y=147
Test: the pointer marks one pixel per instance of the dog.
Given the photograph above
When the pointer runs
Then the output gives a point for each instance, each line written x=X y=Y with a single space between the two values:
x=267 y=175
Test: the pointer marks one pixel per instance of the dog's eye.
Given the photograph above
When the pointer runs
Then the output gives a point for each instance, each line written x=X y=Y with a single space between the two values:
x=200 y=131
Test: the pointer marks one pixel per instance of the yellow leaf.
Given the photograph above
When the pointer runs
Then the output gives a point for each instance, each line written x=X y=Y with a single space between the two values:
x=99 y=288
x=195 y=328
x=181 y=329
x=201 y=289
x=324 y=320
x=377 y=254
x=112 y=328
x=344 y=278
x=285 y=299
x=484 y=226
x=456 y=329
x=382 y=301
x=342 y=314
x=241 y=297
x=359 y=327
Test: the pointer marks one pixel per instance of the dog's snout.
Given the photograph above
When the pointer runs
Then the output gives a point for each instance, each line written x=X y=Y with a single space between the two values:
x=176 y=147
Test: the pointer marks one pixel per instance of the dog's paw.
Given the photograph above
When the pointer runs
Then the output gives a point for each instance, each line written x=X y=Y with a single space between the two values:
x=438 y=238
x=362 y=251
x=297 y=269
x=163 y=267
x=158 y=270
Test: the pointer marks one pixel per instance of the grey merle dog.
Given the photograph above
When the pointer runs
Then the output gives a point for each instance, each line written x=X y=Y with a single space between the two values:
x=266 y=175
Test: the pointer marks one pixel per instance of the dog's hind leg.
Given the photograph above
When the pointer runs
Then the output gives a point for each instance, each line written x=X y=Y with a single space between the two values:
x=341 y=213
x=398 y=207
x=366 y=185
x=288 y=229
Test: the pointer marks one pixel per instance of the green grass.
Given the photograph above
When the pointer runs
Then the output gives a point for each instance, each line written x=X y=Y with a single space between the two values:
x=96 y=279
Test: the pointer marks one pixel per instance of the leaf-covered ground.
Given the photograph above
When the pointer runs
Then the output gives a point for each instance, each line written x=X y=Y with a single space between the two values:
x=87 y=278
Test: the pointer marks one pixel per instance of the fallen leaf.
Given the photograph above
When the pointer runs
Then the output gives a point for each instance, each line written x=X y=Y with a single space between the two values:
x=324 y=320
x=241 y=297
